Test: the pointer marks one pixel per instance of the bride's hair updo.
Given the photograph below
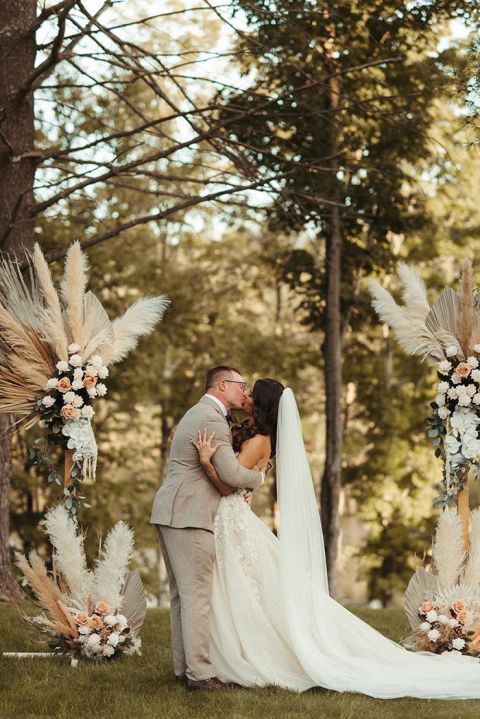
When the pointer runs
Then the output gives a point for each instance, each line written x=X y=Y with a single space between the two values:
x=266 y=397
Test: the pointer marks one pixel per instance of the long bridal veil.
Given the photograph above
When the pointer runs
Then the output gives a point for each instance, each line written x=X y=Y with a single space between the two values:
x=335 y=648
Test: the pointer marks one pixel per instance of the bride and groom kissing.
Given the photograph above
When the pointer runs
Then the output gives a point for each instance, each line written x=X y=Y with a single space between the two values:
x=251 y=609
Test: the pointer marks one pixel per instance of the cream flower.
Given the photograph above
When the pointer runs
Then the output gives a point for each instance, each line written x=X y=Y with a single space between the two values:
x=74 y=348
x=92 y=392
x=97 y=361
x=78 y=373
x=443 y=412
x=451 y=350
x=77 y=401
x=475 y=375
x=77 y=384
x=472 y=361
x=75 y=360
x=63 y=385
x=52 y=383
x=458 y=643
x=431 y=616
x=108 y=650
x=445 y=366
x=93 y=640
x=101 y=390
x=89 y=380
x=113 y=639
x=476 y=348
x=110 y=620
x=425 y=627
x=463 y=369
x=433 y=635
x=69 y=412
x=62 y=366
x=48 y=401
x=87 y=412
x=443 y=387
x=103 y=372
x=442 y=618
x=440 y=399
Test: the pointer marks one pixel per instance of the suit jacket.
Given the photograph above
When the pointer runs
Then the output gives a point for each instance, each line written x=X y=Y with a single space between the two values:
x=187 y=498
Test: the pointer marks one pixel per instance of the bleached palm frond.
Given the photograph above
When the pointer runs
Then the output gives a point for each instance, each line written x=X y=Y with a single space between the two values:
x=134 y=601
x=72 y=288
x=411 y=334
x=69 y=552
x=444 y=316
x=471 y=574
x=421 y=586
x=465 y=322
x=50 y=314
x=99 y=335
x=111 y=569
x=448 y=551
x=138 y=320
x=414 y=292
x=17 y=296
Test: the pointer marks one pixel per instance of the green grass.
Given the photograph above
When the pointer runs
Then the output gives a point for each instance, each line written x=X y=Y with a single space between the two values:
x=138 y=687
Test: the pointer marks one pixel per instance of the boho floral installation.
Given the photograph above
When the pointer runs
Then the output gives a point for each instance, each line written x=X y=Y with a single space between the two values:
x=94 y=614
x=443 y=607
x=55 y=352
x=446 y=335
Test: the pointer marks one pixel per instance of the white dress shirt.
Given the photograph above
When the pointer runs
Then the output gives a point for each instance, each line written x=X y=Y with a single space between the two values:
x=220 y=404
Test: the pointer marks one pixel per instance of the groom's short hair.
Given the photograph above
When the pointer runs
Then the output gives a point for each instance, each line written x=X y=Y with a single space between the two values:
x=216 y=374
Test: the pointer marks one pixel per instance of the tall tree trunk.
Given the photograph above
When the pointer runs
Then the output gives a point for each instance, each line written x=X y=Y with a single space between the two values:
x=332 y=346
x=17 y=170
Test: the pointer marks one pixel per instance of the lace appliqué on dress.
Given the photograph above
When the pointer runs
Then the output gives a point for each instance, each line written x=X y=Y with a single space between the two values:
x=232 y=536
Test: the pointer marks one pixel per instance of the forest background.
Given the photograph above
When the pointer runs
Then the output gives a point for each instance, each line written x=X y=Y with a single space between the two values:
x=257 y=162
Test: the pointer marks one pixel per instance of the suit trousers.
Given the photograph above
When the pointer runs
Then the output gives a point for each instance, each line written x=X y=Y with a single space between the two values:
x=189 y=554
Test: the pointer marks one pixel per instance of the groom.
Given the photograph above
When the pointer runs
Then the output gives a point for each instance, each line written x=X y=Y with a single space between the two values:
x=184 y=511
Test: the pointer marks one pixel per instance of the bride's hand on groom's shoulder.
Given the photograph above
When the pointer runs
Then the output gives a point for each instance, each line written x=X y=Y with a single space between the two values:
x=204 y=446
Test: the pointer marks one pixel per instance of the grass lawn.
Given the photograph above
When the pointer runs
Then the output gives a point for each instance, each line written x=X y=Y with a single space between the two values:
x=138 y=687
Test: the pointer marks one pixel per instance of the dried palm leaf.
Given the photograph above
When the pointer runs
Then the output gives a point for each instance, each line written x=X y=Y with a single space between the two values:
x=443 y=318
x=465 y=322
x=471 y=574
x=134 y=601
x=448 y=553
x=421 y=586
x=72 y=288
x=19 y=297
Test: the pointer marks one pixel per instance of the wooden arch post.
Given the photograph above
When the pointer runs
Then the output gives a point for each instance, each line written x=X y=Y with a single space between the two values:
x=463 y=509
x=68 y=467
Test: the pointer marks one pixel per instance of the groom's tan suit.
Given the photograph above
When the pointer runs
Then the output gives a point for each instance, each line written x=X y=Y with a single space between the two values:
x=184 y=512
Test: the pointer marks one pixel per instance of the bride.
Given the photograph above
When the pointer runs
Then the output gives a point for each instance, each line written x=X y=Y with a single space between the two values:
x=272 y=620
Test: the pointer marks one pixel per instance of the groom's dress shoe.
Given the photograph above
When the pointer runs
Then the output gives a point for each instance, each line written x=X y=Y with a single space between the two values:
x=213 y=684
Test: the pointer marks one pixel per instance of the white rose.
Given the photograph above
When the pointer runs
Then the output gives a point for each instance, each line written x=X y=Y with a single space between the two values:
x=75 y=360
x=78 y=373
x=440 y=399
x=452 y=444
x=77 y=401
x=445 y=366
x=425 y=627
x=443 y=412
x=108 y=650
x=443 y=387
x=442 y=618
x=455 y=379
x=475 y=375
x=458 y=643
x=77 y=384
x=464 y=400
x=91 y=370
x=433 y=635
x=476 y=348
x=472 y=361
x=471 y=389
x=431 y=616
x=52 y=383
x=73 y=348
x=122 y=622
x=93 y=640
x=110 y=620
x=476 y=398
x=92 y=392
x=103 y=372
x=113 y=639
x=451 y=350
x=85 y=630
x=101 y=390
x=97 y=361
x=62 y=366
x=452 y=393
x=68 y=397
x=87 y=412
x=453 y=622
x=48 y=401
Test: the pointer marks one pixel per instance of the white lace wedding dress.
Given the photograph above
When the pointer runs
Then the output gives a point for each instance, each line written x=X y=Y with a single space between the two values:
x=273 y=621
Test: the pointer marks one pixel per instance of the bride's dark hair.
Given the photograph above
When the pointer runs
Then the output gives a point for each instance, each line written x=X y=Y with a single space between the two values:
x=266 y=395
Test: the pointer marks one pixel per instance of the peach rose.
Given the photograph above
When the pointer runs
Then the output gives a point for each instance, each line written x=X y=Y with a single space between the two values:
x=95 y=621
x=426 y=607
x=89 y=381
x=81 y=618
x=102 y=607
x=463 y=369
x=64 y=385
x=69 y=412
x=458 y=606
x=461 y=616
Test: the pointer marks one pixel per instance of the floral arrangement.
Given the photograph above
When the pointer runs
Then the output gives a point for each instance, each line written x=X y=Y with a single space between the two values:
x=447 y=335
x=443 y=608
x=55 y=348
x=91 y=614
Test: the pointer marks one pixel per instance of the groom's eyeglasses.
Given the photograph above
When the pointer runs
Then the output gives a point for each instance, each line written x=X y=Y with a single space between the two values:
x=236 y=381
